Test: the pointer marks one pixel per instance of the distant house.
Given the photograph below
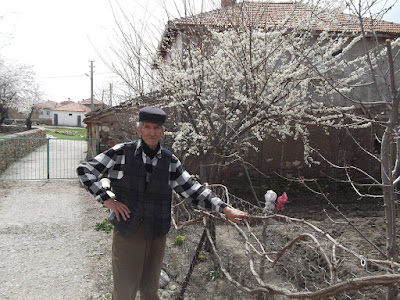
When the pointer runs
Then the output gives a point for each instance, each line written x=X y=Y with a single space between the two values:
x=45 y=111
x=96 y=104
x=66 y=102
x=66 y=113
x=70 y=114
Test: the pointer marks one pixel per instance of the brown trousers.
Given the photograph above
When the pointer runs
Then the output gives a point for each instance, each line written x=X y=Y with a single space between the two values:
x=136 y=265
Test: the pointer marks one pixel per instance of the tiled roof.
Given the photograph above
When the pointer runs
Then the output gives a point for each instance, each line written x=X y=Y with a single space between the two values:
x=88 y=101
x=48 y=104
x=73 y=107
x=67 y=102
x=136 y=103
x=288 y=14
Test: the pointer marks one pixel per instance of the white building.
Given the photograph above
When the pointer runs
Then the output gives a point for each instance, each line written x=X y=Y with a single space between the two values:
x=70 y=114
x=45 y=111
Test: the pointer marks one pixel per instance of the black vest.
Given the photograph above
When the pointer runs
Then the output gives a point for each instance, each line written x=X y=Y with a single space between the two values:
x=149 y=204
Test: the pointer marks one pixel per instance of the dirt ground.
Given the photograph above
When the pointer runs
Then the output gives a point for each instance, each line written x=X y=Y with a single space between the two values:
x=49 y=248
x=302 y=267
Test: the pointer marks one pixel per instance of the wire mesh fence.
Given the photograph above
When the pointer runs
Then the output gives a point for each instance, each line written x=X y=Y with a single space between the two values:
x=274 y=256
x=43 y=158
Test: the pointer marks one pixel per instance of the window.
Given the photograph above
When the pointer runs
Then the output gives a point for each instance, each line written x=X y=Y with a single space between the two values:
x=70 y=114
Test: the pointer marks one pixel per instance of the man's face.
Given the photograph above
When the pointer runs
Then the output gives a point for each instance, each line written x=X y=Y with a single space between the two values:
x=151 y=134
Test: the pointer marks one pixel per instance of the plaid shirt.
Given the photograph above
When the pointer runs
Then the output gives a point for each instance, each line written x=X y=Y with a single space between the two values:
x=110 y=164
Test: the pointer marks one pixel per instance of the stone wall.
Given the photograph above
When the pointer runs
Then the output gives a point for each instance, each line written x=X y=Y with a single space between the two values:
x=18 y=145
x=9 y=129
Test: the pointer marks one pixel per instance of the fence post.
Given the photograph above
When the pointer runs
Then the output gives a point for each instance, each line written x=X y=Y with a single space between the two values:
x=48 y=158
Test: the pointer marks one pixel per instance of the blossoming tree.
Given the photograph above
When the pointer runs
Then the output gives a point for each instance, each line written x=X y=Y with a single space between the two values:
x=18 y=89
x=244 y=83
x=233 y=82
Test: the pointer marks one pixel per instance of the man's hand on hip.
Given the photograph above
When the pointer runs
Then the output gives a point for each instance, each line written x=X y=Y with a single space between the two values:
x=118 y=208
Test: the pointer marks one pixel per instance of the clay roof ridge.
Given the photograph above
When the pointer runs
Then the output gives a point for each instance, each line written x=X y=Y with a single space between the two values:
x=73 y=107
x=289 y=14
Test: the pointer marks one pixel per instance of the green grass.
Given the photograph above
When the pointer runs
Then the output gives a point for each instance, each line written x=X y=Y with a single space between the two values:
x=65 y=132
x=180 y=240
x=62 y=136
x=61 y=132
x=104 y=226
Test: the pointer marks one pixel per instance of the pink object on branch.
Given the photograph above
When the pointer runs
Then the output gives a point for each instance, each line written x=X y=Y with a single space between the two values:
x=281 y=201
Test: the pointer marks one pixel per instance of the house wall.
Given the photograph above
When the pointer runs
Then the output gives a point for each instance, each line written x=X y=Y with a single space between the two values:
x=368 y=92
x=112 y=128
x=68 y=118
x=281 y=157
x=274 y=157
x=364 y=93
x=95 y=106
x=177 y=45
x=45 y=113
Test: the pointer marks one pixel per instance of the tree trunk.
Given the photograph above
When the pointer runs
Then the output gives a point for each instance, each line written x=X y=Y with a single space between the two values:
x=203 y=169
x=388 y=157
x=28 y=121
x=210 y=222
x=389 y=202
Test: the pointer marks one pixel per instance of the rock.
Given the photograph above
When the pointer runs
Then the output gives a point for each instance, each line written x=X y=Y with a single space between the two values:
x=167 y=295
x=164 y=279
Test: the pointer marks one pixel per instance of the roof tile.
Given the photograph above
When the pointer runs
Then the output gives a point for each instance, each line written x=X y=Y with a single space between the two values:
x=287 y=14
x=75 y=107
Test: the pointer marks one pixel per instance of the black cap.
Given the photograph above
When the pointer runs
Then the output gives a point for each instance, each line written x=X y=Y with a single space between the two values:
x=152 y=115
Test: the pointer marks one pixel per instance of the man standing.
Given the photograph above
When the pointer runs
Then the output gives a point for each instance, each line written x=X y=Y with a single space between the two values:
x=143 y=175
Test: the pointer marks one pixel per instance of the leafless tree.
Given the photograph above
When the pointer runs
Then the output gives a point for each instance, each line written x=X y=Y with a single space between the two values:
x=381 y=76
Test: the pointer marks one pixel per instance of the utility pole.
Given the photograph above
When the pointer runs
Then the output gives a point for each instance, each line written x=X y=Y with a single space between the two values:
x=91 y=85
x=110 y=94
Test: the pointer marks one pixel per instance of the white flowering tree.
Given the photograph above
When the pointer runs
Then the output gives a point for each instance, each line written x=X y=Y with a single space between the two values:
x=235 y=86
x=230 y=86
x=18 y=89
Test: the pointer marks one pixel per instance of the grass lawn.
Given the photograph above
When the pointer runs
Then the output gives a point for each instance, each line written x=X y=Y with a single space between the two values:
x=65 y=132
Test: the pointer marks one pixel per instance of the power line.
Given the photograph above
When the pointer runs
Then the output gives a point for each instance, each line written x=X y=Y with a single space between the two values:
x=62 y=76
x=91 y=85
x=70 y=76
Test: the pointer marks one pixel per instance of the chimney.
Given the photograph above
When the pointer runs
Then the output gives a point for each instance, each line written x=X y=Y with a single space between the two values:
x=226 y=3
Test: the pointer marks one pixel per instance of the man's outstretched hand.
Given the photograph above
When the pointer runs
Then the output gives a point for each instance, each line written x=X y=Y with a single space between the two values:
x=235 y=215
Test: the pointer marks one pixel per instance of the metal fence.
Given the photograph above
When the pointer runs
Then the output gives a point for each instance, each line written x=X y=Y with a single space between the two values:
x=43 y=158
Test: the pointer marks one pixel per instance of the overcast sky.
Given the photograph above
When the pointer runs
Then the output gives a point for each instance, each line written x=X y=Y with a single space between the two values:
x=59 y=38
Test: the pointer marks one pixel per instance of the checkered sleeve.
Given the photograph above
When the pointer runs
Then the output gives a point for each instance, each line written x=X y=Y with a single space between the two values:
x=108 y=163
x=182 y=183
